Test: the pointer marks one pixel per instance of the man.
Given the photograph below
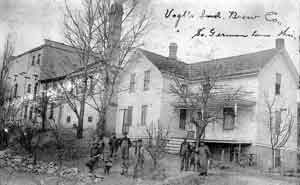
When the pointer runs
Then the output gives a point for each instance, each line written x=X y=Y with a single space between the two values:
x=139 y=156
x=113 y=144
x=192 y=163
x=95 y=152
x=202 y=158
x=184 y=154
x=125 y=145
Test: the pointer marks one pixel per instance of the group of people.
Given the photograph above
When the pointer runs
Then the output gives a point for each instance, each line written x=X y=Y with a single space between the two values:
x=106 y=149
x=194 y=157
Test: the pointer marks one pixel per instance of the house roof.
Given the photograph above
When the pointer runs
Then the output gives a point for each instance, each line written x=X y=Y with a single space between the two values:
x=229 y=66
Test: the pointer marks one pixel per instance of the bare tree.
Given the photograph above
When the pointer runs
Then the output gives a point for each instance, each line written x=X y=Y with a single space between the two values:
x=205 y=99
x=157 y=141
x=105 y=33
x=7 y=54
x=279 y=129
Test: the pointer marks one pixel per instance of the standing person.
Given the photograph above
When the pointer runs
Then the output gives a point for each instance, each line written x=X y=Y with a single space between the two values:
x=125 y=145
x=184 y=154
x=140 y=159
x=203 y=156
x=113 y=144
x=192 y=162
x=107 y=156
x=95 y=153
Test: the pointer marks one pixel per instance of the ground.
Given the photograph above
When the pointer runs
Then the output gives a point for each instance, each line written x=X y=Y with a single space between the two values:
x=215 y=177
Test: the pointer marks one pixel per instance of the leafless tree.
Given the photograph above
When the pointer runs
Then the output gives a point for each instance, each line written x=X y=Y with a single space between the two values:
x=279 y=129
x=157 y=141
x=205 y=99
x=7 y=54
x=105 y=33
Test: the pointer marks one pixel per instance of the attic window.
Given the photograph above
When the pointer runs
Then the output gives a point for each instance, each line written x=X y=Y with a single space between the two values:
x=277 y=84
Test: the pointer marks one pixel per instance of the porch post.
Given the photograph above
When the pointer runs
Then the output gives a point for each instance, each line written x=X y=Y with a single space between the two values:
x=235 y=112
x=239 y=153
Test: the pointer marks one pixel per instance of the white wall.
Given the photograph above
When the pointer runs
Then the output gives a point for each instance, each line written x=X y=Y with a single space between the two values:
x=286 y=99
x=152 y=97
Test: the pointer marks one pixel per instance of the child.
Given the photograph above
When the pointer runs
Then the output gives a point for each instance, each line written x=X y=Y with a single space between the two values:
x=108 y=165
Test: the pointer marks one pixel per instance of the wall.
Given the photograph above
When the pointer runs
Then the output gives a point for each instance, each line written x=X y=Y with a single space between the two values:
x=286 y=99
x=152 y=97
x=245 y=118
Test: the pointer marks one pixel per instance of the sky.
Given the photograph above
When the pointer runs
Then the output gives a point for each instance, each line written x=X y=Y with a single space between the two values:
x=31 y=21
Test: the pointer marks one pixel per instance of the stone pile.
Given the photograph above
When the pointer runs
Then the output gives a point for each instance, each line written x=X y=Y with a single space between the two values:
x=24 y=163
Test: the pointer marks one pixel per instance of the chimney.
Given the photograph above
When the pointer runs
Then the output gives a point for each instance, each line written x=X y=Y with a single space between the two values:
x=173 y=50
x=279 y=43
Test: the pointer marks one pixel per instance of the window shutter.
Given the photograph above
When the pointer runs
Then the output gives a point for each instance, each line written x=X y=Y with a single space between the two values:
x=144 y=114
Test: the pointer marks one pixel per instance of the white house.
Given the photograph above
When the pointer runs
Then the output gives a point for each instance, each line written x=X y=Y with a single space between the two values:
x=144 y=99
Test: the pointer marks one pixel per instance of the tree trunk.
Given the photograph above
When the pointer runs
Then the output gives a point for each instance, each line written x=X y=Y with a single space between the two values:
x=101 y=124
x=82 y=109
x=273 y=157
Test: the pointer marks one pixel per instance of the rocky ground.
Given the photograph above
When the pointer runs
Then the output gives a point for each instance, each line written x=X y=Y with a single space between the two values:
x=19 y=170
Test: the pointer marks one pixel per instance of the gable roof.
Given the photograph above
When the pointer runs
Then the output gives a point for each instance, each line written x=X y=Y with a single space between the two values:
x=229 y=66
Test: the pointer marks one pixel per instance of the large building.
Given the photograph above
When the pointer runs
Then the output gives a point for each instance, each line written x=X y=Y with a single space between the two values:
x=144 y=99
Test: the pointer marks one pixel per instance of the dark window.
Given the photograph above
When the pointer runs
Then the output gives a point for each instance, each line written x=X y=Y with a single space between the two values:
x=127 y=119
x=130 y=110
x=277 y=84
x=228 y=122
x=30 y=112
x=125 y=127
x=38 y=59
x=182 y=118
x=35 y=90
x=132 y=82
x=51 y=111
x=146 y=80
x=16 y=90
x=68 y=119
x=277 y=157
x=92 y=88
x=29 y=88
x=277 y=122
x=90 y=118
x=144 y=114
x=33 y=59
x=25 y=111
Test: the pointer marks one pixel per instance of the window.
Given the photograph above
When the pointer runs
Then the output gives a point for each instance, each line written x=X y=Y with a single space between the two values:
x=33 y=59
x=35 y=90
x=90 y=118
x=91 y=91
x=277 y=84
x=68 y=119
x=127 y=119
x=132 y=82
x=25 y=111
x=130 y=110
x=29 y=88
x=277 y=122
x=38 y=59
x=146 y=80
x=144 y=114
x=16 y=90
x=277 y=157
x=51 y=111
x=228 y=122
x=30 y=112
x=182 y=118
